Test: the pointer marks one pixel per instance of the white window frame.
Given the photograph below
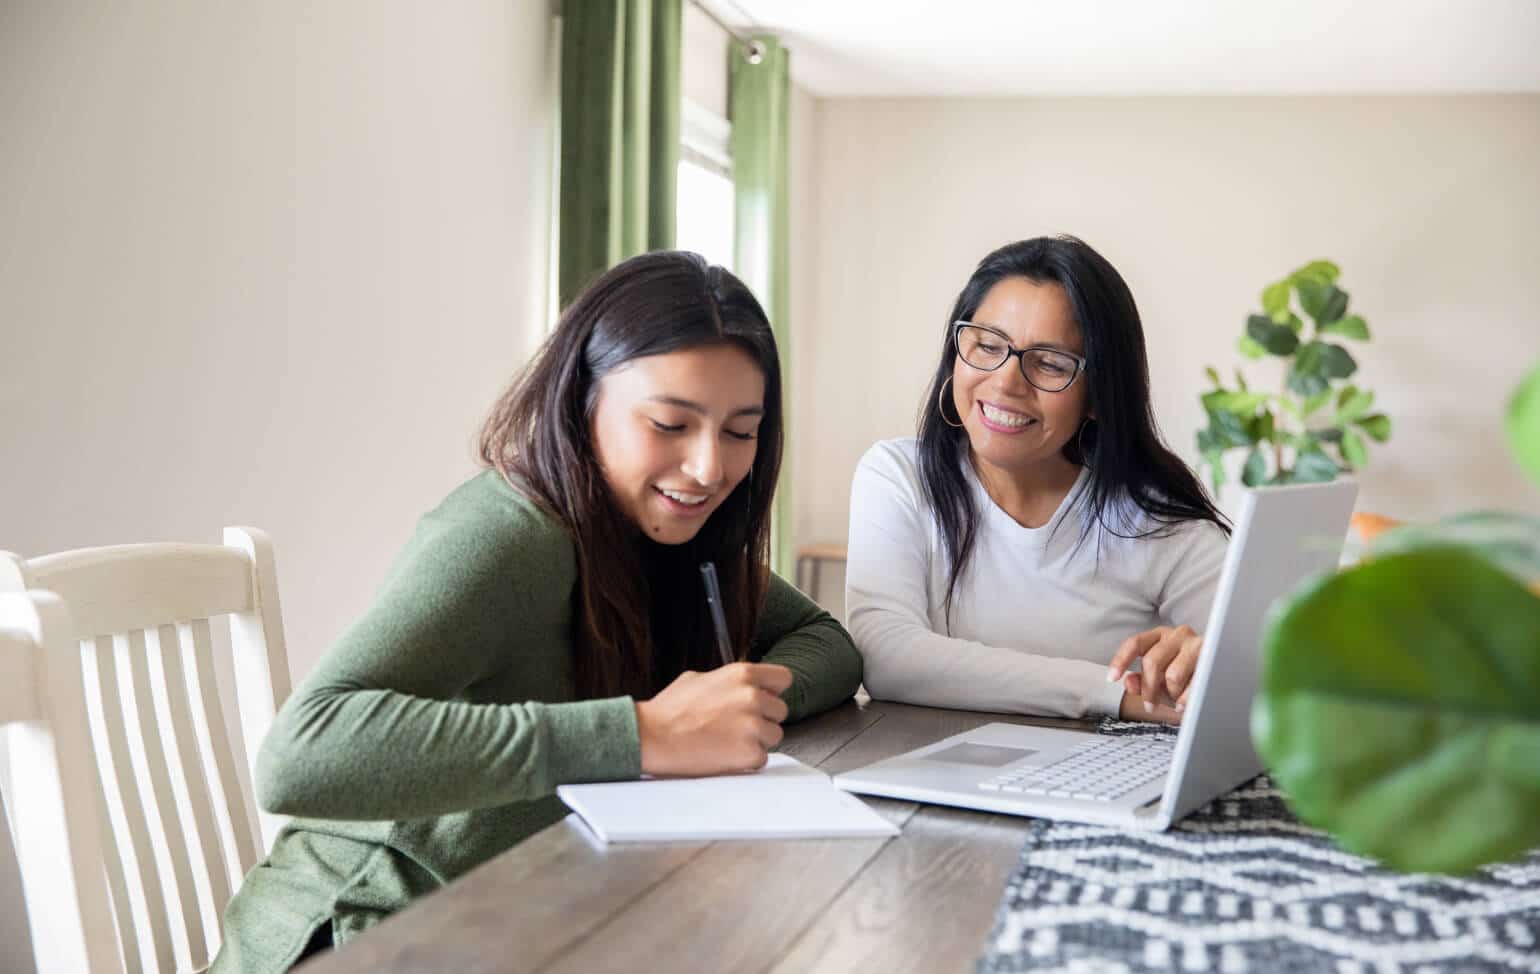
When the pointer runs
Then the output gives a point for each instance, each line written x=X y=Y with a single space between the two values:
x=705 y=139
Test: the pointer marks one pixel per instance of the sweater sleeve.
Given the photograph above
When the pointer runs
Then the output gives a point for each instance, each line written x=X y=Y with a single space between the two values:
x=824 y=664
x=887 y=595
x=376 y=731
x=1193 y=558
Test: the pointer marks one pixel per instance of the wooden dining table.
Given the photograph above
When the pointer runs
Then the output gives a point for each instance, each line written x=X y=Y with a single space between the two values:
x=561 y=901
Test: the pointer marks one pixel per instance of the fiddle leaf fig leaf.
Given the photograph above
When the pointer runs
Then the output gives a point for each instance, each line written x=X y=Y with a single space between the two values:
x=1312 y=295
x=1336 y=363
x=1324 y=302
x=1230 y=429
x=1213 y=376
x=1305 y=378
x=1351 y=326
x=1319 y=271
x=1275 y=300
x=1399 y=709
x=1277 y=339
x=1314 y=466
x=1314 y=402
x=1249 y=348
x=1262 y=427
x=1523 y=424
x=1255 y=470
x=1377 y=426
x=1243 y=403
x=1353 y=403
x=1353 y=449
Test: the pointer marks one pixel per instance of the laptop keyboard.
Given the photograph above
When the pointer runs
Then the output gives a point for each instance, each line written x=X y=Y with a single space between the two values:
x=1104 y=769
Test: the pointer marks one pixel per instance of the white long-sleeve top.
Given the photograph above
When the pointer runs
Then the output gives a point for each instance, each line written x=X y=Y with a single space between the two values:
x=1037 y=614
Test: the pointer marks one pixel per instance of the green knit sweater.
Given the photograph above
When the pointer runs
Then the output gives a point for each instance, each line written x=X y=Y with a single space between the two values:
x=433 y=736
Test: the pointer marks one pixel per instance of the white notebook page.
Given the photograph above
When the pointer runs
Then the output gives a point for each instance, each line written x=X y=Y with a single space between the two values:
x=784 y=800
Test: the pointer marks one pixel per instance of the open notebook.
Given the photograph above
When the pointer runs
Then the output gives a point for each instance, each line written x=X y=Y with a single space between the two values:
x=784 y=800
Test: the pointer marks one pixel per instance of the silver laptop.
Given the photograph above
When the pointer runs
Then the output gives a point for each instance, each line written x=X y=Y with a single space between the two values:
x=1145 y=780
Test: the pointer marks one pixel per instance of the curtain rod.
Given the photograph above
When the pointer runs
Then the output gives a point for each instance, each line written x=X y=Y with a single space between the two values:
x=756 y=50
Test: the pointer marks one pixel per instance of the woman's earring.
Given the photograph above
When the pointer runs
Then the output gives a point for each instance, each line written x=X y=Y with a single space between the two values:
x=941 y=406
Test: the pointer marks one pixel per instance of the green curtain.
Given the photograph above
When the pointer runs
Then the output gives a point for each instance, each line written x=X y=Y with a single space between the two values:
x=759 y=96
x=619 y=134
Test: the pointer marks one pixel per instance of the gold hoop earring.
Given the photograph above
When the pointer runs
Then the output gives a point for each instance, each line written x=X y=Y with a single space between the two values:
x=941 y=406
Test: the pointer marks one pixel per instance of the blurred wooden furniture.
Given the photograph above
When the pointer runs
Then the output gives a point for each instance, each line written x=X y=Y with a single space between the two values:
x=53 y=817
x=809 y=558
x=180 y=829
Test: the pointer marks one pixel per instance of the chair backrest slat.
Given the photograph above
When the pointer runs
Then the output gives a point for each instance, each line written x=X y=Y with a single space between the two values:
x=237 y=832
x=117 y=886
x=145 y=899
x=195 y=810
x=148 y=748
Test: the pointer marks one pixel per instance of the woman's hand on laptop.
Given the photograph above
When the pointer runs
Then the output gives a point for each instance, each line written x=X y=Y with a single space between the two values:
x=1168 y=659
x=1133 y=705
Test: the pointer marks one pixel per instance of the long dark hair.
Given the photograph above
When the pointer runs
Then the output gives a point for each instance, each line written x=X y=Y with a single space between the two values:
x=1122 y=445
x=639 y=607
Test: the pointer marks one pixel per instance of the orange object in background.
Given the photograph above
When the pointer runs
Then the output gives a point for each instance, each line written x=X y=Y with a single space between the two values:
x=1367 y=526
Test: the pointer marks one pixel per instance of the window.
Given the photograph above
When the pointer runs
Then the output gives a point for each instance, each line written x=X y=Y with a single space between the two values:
x=705 y=186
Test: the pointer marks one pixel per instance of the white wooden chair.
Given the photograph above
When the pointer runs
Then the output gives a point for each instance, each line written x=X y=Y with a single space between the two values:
x=53 y=817
x=180 y=831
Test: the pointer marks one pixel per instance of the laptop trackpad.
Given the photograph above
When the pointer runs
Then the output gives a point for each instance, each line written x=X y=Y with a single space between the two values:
x=986 y=755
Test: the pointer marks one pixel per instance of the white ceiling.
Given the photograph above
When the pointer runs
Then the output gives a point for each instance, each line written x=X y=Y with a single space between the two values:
x=844 y=48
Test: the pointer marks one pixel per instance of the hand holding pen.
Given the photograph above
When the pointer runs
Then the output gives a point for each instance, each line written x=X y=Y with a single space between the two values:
x=717 y=722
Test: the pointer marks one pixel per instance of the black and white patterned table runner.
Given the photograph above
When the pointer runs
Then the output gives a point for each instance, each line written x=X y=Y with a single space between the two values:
x=1242 y=886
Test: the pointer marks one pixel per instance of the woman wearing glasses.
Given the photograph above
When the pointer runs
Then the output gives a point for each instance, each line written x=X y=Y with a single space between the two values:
x=1037 y=537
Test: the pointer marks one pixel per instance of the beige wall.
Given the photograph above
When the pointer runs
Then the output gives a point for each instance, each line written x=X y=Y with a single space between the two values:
x=262 y=264
x=1430 y=205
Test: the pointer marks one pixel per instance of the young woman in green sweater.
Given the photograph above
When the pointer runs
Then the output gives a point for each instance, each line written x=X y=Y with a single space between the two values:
x=547 y=622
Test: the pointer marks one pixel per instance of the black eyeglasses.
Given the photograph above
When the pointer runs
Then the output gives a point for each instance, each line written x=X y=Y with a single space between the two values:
x=986 y=349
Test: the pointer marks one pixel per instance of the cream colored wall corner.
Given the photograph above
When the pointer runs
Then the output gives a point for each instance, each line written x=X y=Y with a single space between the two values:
x=261 y=264
x=1430 y=205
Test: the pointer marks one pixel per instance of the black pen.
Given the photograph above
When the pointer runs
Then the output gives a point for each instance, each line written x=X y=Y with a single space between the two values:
x=708 y=571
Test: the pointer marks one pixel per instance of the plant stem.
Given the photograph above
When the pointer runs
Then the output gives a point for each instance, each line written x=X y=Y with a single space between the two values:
x=1278 y=439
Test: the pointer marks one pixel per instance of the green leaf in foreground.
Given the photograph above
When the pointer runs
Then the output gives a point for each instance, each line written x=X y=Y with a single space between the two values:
x=1524 y=424
x=1399 y=709
x=1508 y=540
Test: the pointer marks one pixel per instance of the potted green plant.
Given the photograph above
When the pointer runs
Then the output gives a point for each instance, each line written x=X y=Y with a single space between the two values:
x=1399 y=703
x=1317 y=424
